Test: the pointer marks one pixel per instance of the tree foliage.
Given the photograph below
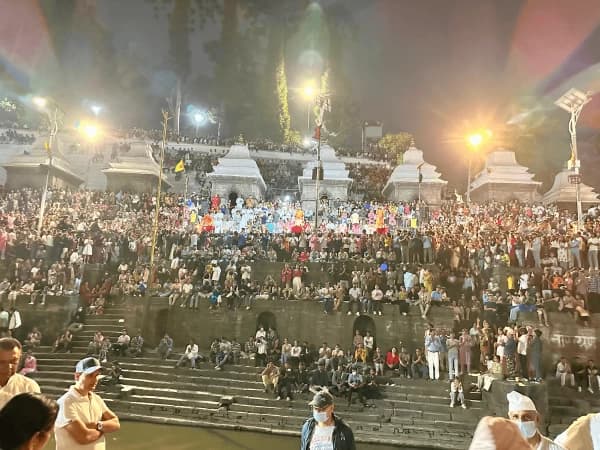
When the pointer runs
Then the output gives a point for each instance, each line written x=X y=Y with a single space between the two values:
x=285 y=120
x=396 y=144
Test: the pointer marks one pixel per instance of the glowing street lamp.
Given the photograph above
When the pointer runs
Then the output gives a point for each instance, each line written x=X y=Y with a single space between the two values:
x=474 y=140
x=573 y=102
x=96 y=109
x=90 y=130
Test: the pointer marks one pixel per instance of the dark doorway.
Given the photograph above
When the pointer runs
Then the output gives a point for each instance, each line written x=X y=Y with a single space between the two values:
x=266 y=319
x=364 y=324
x=232 y=199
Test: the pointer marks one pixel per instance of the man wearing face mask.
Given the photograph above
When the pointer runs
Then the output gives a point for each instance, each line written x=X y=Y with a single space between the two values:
x=522 y=411
x=324 y=430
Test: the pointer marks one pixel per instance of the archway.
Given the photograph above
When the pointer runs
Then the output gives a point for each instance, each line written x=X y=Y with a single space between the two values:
x=266 y=319
x=232 y=199
x=364 y=324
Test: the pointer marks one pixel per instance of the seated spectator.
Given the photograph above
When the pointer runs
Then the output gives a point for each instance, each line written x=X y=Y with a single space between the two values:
x=136 y=346
x=564 y=372
x=378 y=361
x=302 y=379
x=113 y=376
x=371 y=389
x=34 y=338
x=190 y=354
x=457 y=393
x=419 y=368
x=493 y=372
x=356 y=385
x=270 y=376
x=392 y=360
x=165 y=347
x=320 y=377
x=122 y=345
x=360 y=354
x=224 y=354
x=63 y=342
x=104 y=350
x=286 y=382
x=29 y=364
x=404 y=364
x=593 y=375
x=579 y=372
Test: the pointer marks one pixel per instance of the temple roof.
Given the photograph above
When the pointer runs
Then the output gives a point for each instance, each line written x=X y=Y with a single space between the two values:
x=562 y=191
x=501 y=167
x=138 y=160
x=237 y=163
x=408 y=170
x=333 y=167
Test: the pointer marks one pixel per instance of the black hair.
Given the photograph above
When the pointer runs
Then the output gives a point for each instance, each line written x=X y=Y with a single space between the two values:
x=24 y=416
x=8 y=344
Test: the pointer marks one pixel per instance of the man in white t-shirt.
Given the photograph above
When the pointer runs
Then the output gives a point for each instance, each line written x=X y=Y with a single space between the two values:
x=12 y=383
x=522 y=345
x=83 y=417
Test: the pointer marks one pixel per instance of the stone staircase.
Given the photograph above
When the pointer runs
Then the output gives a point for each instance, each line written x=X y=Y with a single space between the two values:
x=566 y=405
x=412 y=412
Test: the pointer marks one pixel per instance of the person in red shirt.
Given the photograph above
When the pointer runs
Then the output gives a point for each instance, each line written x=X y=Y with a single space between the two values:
x=286 y=276
x=392 y=359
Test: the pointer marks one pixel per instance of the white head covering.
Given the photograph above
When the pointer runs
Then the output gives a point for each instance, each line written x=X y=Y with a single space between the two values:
x=519 y=402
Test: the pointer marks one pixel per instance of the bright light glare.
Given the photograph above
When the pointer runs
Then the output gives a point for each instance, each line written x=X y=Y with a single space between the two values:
x=309 y=91
x=96 y=109
x=475 y=139
x=307 y=141
x=287 y=198
x=90 y=130
x=40 y=102
x=199 y=118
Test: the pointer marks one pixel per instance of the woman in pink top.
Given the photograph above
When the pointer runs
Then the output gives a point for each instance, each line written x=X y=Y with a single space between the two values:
x=29 y=364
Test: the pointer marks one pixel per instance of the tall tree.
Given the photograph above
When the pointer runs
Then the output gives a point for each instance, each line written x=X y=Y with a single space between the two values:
x=184 y=16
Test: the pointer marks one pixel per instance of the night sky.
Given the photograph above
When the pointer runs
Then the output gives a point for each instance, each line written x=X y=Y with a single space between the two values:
x=435 y=68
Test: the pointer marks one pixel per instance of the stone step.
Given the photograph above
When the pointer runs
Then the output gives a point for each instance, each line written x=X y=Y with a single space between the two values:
x=387 y=437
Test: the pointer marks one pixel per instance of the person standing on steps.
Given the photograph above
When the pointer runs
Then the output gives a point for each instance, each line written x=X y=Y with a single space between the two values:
x=324 y=430
x=83 y=417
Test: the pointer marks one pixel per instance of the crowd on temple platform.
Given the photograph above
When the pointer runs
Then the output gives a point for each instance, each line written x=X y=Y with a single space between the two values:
x=486 y=263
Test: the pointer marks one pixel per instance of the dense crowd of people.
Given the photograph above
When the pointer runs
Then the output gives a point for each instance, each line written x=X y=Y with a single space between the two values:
x=12 y=136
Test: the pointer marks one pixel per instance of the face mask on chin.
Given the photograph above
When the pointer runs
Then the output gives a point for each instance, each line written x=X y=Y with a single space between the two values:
x=527 y=429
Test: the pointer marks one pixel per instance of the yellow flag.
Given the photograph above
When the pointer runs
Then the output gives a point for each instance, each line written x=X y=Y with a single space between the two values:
x=413 y=223
x=180 y=167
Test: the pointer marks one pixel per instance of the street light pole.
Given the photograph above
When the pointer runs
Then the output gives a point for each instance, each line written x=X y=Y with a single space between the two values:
x=573 y=102
x=146 y=314
x=53 y=120
x=469 y=179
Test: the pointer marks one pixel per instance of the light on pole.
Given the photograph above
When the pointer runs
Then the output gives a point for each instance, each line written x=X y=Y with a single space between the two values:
x=474 y=140
x=573 y=102
x=52 y=114
x=309 y=92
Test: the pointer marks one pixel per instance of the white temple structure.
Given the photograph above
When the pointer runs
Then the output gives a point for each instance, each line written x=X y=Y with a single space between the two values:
x=135 y=171
x=564 y=193
x=335 y=183
x=503 y=178
x=30 y=166
x=403 y=184
x=237 y=175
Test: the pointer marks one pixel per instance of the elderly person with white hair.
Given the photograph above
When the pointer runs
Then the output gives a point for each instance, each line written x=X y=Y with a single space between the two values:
x=522 y=411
